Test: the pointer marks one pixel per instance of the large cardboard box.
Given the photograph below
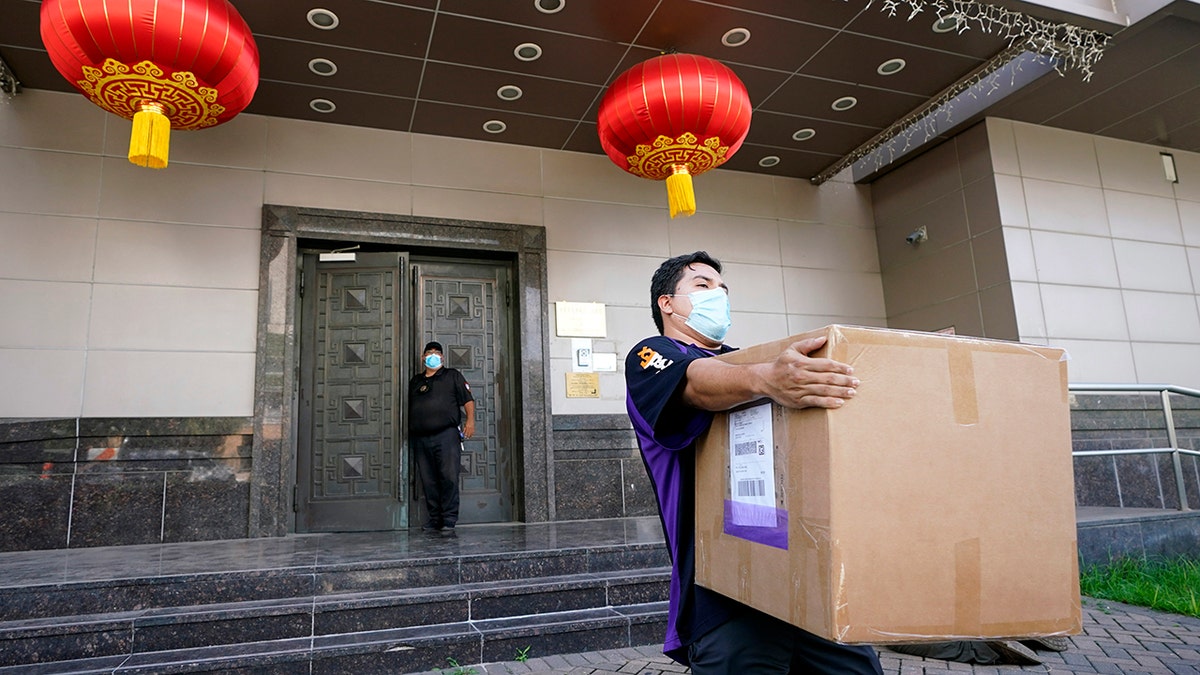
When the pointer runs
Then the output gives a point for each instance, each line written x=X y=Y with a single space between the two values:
x=937 y=504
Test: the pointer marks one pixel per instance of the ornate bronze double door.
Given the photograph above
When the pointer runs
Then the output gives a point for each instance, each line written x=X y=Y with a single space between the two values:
x=362 y=326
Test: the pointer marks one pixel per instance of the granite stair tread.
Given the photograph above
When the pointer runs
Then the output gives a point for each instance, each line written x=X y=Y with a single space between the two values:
x=333 y=601
x=405 y=649
x=97 y=596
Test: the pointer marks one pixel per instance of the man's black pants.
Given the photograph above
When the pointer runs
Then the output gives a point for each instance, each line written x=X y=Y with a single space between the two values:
x=753 y=642
x=438 y=457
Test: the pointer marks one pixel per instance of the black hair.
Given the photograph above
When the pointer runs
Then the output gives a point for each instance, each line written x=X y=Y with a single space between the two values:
x=667 y=278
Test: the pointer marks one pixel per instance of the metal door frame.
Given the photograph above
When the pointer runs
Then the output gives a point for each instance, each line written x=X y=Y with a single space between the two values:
x=272 y=472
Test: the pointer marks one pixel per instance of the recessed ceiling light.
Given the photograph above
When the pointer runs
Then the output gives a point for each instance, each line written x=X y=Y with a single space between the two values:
x=494 y=126
x=945 y=24
x=528 y=51
x=735 y=37
x=323 y=67
x=322 y=105
x=804 y=134
x=768 y=161
x=844 y=103
x=891 y=66
x=322 y=18
x=549 y=6
x=509 y=92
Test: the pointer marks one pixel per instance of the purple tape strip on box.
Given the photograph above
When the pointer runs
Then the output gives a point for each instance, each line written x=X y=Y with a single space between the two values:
x=770 y=524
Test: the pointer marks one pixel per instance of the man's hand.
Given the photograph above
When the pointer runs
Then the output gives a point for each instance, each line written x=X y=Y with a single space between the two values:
x=793 y=379
x=796 y=380
x=468 y=428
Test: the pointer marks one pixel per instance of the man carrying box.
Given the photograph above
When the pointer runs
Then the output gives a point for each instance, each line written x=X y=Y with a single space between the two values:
x=672 y=390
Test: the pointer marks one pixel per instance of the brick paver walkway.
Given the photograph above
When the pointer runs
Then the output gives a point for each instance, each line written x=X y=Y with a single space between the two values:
x=1117 y=639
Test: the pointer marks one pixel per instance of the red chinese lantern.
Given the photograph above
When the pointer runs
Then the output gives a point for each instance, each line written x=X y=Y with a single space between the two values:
x=672 y=117
x=183 y=64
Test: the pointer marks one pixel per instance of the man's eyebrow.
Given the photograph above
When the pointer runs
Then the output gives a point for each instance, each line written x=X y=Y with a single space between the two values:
x=705 y=277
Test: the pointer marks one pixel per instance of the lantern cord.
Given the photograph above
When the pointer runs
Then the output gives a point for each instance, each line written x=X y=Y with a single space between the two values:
x=151 y=138
x=680 y=195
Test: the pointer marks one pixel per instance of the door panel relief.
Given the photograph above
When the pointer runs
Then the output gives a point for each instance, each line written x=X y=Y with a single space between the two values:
x=462 y=306
x=350 y=442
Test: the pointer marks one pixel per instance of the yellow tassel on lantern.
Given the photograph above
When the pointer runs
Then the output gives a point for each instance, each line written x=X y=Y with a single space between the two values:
x=679 y=191
x=151 y=137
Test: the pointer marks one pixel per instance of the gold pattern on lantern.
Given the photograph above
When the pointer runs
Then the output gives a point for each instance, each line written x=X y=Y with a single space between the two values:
x=123 y=90
x=656 y=160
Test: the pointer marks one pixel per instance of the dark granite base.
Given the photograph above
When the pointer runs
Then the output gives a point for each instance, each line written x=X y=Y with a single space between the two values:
x=638 y=492
x=588 y=489
x=598 y=470
x=116 y=509
x=35 y=510
x=1141 y=486
x=206 y=503
x=1133 y=421
x=1096 y=482
x=1162 y=536
x=122 y=481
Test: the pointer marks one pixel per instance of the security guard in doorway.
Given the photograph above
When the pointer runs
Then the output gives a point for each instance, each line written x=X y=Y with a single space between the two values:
x=436 y=428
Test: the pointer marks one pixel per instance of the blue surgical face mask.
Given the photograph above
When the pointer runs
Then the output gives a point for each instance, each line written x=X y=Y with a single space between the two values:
x=710 y=313
x=433 y=361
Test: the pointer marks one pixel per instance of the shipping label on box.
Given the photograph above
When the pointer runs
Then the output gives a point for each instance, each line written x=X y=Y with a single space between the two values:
x=753 y=510
x=937 y=504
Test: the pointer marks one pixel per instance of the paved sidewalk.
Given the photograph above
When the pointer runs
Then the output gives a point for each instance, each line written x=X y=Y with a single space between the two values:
x=1117 y=640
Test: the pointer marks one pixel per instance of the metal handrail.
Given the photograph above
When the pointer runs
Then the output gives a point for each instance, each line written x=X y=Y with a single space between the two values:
x=1165 y=391
x=1093 y=386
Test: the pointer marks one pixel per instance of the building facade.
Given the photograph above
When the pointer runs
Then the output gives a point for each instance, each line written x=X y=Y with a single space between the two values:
x=167 y=342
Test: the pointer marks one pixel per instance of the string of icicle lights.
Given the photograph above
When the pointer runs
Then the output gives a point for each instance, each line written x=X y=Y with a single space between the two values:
x=1065 y=47
x=1070 y=47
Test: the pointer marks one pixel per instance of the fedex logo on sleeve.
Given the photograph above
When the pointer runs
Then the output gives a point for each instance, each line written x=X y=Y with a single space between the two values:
x=652 y=359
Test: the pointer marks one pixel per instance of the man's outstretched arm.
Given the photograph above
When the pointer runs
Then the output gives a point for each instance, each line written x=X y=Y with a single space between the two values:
x=793 y=379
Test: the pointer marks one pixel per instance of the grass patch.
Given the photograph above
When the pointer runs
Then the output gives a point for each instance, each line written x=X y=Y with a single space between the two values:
x=1169 y=585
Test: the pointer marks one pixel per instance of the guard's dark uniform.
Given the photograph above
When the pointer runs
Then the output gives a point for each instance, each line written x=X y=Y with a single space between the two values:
x=434 y=417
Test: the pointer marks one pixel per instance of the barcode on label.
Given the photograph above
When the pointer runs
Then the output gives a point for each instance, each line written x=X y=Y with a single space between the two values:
x=745 y=448
x=751 y=488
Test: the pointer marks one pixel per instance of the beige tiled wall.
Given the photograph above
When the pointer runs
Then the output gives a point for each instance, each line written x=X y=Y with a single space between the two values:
x=1103 y=252
x=129 y=292
x=959 y=276
x=1055 y=237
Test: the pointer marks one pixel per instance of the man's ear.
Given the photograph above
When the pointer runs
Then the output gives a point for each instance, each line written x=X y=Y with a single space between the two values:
x=664 y=305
